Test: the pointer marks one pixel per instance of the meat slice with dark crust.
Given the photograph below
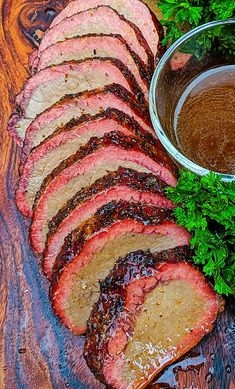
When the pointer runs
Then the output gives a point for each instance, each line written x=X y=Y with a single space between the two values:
x=92 y=162
x=87 y=103
x=89 y=253
x=93 y=46
x=99 y=20
x=152 y=309
x=123 y=184
x=133 y=10
x=108 y=216
x=65 y=142
x=48 y=86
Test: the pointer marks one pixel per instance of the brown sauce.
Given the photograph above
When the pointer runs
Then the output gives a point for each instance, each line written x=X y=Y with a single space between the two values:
x=204 y=120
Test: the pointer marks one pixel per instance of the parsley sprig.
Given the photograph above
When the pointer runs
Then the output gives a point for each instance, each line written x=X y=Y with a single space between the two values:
x=179 y=16
x=206 y=207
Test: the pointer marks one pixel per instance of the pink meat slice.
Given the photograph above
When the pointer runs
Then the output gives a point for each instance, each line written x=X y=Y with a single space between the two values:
x=174 y=235
x=152 y=309
x=87 y=209
x=33 y=57
x=73 y=107
x=99 y=20
x=49 y=85
x=133 y=10
x=67 y=183
x=93 y=46
x=49 y=154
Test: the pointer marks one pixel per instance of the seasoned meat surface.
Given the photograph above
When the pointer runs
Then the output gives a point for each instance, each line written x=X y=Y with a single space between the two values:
x=90 y=252
x=93 y=46
x=76 y=107
x=123 y=184
x=90 y=163
x=48 y=86
x=152 y=309
x=133 y=10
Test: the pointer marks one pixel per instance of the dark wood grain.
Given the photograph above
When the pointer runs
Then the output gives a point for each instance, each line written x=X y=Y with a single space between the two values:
x=36 y=351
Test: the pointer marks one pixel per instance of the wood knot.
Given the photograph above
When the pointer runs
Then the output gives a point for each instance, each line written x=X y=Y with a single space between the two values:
x=35 y=18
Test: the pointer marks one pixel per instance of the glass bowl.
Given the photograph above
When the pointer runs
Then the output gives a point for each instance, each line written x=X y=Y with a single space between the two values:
x=188 y=57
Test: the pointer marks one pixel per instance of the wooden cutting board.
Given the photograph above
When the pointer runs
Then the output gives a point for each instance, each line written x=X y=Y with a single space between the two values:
x=36 y=351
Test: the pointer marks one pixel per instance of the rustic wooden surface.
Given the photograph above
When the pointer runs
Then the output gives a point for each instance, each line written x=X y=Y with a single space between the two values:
x=35 y=350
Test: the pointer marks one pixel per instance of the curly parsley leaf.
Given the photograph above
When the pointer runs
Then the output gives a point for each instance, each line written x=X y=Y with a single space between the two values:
x=206 y=207
x=178 y=15
x=222 y=9
x=173 y=32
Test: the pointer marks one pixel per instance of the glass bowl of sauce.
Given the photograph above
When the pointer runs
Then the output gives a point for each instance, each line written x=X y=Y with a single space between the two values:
x=192 y=99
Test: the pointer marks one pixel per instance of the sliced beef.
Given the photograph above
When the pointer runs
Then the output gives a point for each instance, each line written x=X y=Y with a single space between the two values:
x=133 y=10
x=90 y=163
x=152 y=309
x=113 y=215
x=48 y=86
x=93 y=46
x=89 y=254
x=123 y=184
x=65 y=142
x=87 y=103
x=32 y=58
x=99 y=20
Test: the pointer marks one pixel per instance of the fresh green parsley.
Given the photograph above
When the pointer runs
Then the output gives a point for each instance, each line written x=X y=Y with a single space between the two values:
x=179 y=16
x=206 y=207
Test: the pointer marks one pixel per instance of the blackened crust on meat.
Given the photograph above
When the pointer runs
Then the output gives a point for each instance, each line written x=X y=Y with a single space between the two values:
x=138 y=264
x=137 y=92
x=120 y=92
x=141 y=40
x=111 y=303
x=114 y=138
x=117 y=90
x=146 y=75
x=144 y=44
x=143 y=182
x=18 y=123
x=102 y=313
x=160 y=31
x=111 y=113
x=105 y=217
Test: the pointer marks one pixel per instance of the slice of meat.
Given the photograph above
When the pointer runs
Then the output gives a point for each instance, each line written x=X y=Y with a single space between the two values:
x=133 y=10
x=33 y=57
x=93 y=46
x=99 y=20
x=92 y=162
x=123 y=184
x=152 y=309
x=113 y=215
x=89 y=254
x=87 y=103
x=48 y=86
x=65 y=142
